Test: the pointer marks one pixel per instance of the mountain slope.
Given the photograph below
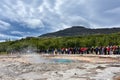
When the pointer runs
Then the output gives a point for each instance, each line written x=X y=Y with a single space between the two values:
x=79 y=30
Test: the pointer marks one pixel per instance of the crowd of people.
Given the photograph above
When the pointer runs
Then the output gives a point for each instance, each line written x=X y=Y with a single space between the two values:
x=105 y=50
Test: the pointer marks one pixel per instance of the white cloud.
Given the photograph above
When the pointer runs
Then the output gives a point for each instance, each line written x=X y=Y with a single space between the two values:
x=114 y=10
x=34 y=23
x=4 y=37
x=21 y=12
x=4 y=25
x=17 y=32
x=77 y=21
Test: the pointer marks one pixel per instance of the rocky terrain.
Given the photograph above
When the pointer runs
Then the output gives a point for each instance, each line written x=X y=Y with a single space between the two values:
x=15 y=69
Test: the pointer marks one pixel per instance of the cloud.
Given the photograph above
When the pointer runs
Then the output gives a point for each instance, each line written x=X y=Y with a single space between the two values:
x=17 y=32
x=31 y=18
x=4 y=25
x=4 y=37
x=34 y=23
x=114 y=11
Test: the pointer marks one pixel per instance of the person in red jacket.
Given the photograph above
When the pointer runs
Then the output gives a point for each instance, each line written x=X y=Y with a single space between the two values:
x=108 y=50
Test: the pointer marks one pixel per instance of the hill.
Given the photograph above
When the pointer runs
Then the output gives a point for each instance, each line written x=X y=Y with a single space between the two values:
x=39 y=44
x=79 y=30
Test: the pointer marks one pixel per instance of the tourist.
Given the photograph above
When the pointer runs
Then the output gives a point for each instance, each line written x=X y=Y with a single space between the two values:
x=108 y=50
x=96 y=50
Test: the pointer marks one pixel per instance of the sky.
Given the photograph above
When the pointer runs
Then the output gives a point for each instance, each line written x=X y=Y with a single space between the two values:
x=25 y=18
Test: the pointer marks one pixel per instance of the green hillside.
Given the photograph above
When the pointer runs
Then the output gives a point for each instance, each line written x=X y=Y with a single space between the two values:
x=79 y=30
x=38 y=44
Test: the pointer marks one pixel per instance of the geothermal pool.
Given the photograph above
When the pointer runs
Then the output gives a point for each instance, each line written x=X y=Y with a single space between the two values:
x=36 y=58
x=62 y=60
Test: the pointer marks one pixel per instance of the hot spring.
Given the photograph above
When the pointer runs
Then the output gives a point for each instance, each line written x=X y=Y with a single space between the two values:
x=36 y=58
x=62 y=60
